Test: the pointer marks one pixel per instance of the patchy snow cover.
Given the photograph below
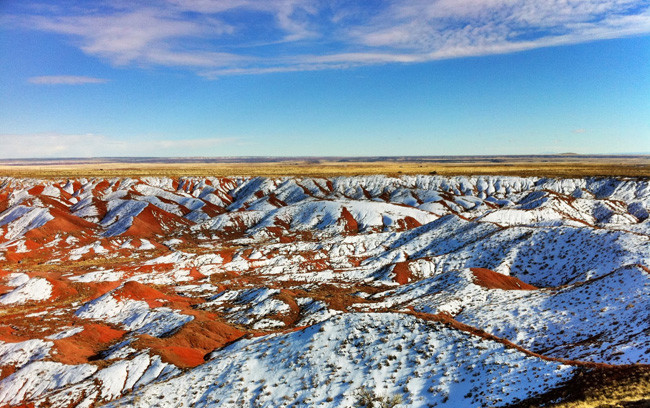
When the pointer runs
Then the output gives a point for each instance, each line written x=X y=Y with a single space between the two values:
x=40 y=377
x=17 y=279
x=111 y=382
x=249 y=306
x=120 y=216
x=134 y=315
x=20 y=219
x=300 y=288
x=65 y=333
x=313 y=311
x=96 y=247
x=34 y=289
x=99 y=276
x=19 y=354
x=390 y=353
x=611 y=311
x=146 y=245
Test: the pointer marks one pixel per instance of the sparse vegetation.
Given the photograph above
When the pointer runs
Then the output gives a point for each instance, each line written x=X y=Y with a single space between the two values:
x=541 y=166
x=159 y=287
x=605 y=387
x=369 y=399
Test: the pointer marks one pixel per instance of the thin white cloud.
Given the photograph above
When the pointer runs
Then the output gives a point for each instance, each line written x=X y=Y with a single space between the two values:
x=142 y=36
x=235 y=37
x=65 y=80
x=46 y=145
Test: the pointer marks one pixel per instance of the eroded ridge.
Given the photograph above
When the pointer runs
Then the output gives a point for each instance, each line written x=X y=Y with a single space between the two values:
x=441 y=291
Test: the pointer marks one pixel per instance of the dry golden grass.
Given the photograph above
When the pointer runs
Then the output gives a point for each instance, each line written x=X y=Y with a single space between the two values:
x=605 y=387
x=558 y=166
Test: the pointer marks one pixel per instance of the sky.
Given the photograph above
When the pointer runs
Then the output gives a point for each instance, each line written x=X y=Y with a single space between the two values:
x=182 y=78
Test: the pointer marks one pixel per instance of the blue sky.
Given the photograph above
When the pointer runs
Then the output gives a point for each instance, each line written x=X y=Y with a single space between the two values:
x=323 y=78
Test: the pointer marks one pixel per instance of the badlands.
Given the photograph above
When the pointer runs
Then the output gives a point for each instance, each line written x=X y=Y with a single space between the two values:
x=409 y=291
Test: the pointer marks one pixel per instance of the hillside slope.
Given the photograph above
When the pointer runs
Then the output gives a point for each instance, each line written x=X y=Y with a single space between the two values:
x=439 y=291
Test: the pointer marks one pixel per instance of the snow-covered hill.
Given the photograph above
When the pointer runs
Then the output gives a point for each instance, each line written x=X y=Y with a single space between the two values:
x=441 y=291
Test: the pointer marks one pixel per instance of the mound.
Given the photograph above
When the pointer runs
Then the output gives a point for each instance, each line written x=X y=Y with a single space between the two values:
x=493 y=280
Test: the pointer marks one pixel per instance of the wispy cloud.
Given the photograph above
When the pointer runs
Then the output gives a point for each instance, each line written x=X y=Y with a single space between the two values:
x=235 y=37
x=93 y=145
x=65 y=80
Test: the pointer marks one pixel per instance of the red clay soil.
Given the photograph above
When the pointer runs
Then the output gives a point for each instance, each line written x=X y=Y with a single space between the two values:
x=61 y=289
x=185 y=357
x=408 y=223
x=14 y=257
x=288 y=297
x=63 y=195
x=227 y=254
x=101 y=207
x=275 y=201
x=101 y=186
x=281 y=223
x=195 y=274
x=63 y=222
x=366 y=193
x=145 y=224
x=350 y=225
x=274 y=231
x=493 y=280
x=137 y=291
x=36 y=190
x=212 y=210
x=188 y=347
x=306 y=190
x=238 y=226
x=31 y=245
x=284 y=239
x=6 y=371
x=77 y=349
x=93 y=290
x=4 y=202
x=7 y=335
x=402 y=273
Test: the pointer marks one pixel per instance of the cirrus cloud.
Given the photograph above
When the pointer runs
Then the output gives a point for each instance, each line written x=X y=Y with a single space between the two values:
x=53 y=144
x=234 y=37
x=65 y=80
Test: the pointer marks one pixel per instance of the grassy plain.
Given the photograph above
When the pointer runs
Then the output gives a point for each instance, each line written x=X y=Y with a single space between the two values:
x=540 y=166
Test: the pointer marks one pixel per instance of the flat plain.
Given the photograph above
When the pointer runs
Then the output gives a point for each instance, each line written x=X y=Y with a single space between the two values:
x=537 y=166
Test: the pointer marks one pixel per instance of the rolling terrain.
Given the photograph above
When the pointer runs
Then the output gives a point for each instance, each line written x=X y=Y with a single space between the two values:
x=434 y=291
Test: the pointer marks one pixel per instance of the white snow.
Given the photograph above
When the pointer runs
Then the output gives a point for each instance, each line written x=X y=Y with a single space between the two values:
x=40 y=377
x=19 y=354
x=20 y=219
x=264 y=243
x=34 y=289
x=99 y=276
x=391 y=354
x=133 y=315
x=17 y=279
x=65 y=333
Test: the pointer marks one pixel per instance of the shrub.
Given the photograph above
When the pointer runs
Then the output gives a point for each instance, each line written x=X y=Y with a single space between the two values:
x=368 y=399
